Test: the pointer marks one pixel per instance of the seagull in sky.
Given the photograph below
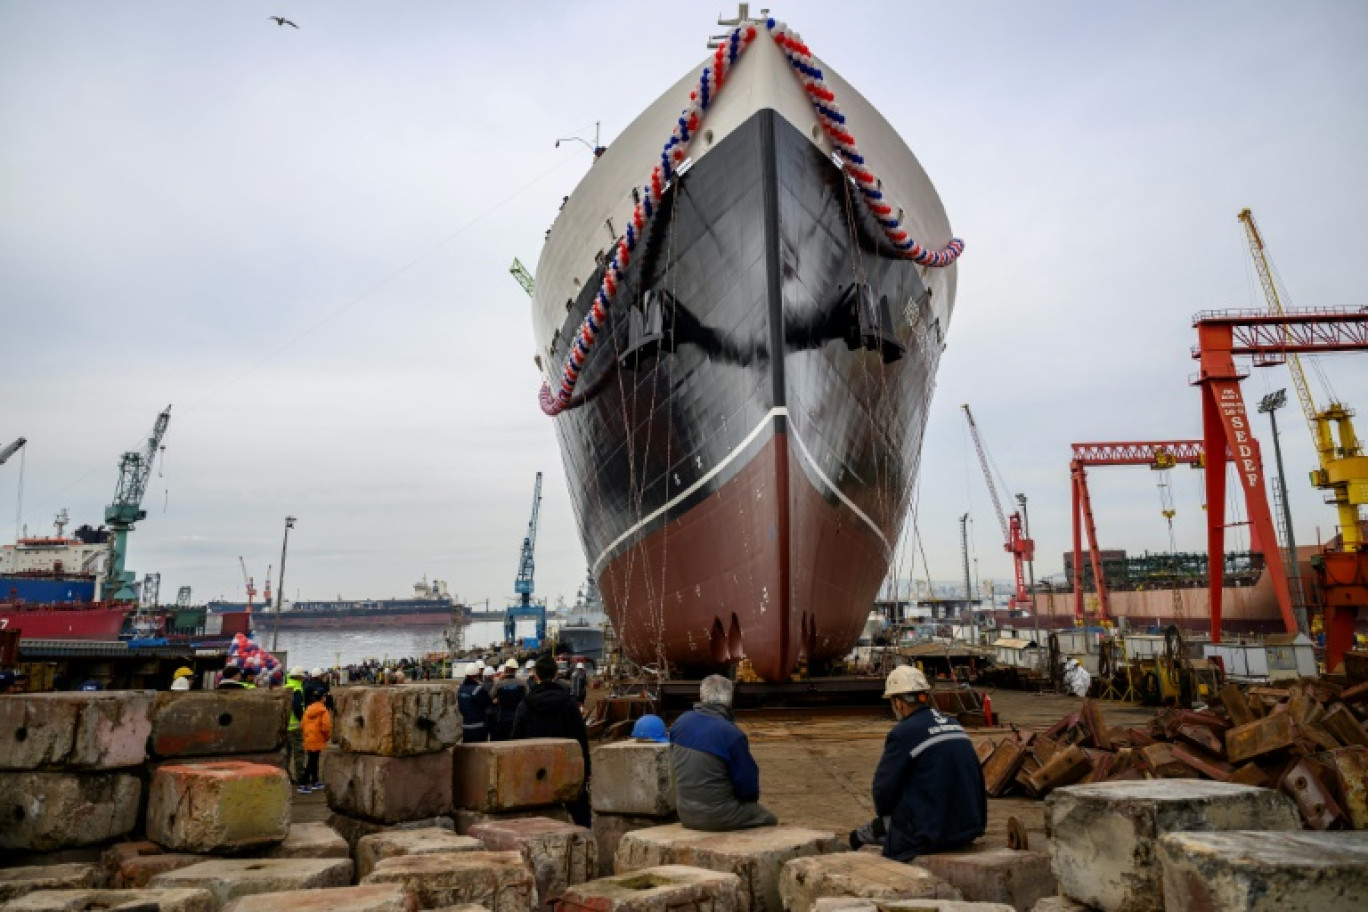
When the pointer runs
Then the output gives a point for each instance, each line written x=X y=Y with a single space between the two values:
x=282 y=21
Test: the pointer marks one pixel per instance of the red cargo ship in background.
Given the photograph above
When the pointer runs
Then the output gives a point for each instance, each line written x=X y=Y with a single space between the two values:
x=50 y=586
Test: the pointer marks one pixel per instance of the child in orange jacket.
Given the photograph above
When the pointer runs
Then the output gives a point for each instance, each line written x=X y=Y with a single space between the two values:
x=317 y=725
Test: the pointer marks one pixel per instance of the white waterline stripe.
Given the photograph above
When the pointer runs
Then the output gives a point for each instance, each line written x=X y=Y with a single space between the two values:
x=726 y=461
x=709 y=476
x=802 y=447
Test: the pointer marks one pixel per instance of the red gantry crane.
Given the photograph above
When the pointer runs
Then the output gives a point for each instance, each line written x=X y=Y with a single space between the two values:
x=1014 y=540
x=1269 y=338
x=1158 y=455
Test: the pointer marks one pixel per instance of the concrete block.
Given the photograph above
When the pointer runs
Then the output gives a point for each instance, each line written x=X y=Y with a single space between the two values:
x=95 y=730
x=756 y=856
x=499 y=881
x=279 y=758
x=461 y=907
x=1103 y=837
x=509 y=775
x=388 y=789
x=609 y=829
x=633 y=777
x=803 y=881
x=850 y=904
x=371 y=850
x=218 y=806
x=201 y=723
x=464 y=818
x=1016 y=879
x=230 y=878
x=44 y=812
x=353 y=828
x=1248 y=871
x=16 y=882
x=1060 y=904
x=367 y=898
x=137 y=873
x=310 y=840
x=397 y=721
x=115 y=900
x=561 y=854
x=666 y=888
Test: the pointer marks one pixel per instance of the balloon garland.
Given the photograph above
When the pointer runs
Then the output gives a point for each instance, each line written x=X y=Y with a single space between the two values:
x=676 y=150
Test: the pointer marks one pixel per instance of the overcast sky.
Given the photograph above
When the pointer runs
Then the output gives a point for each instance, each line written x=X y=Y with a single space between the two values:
x=300 y=238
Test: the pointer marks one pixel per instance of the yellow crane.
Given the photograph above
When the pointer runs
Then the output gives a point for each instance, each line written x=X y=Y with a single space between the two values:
x=1343 y=467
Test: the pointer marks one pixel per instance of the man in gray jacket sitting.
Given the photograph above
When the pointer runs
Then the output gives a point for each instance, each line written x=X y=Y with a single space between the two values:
x=716 y=780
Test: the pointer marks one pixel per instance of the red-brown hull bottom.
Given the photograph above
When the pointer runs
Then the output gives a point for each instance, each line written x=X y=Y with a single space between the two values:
x=100 y=622
x=764 y=569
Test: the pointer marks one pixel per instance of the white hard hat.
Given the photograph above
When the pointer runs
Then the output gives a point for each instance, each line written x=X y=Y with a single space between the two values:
x=511 y=665
x=472 y=669
x=489 y=671
x=316 y=673
x=905 y=679
x=1071 y=663
x=579 y=664
x=479 y=663
x=531 y=663
x=298 y=672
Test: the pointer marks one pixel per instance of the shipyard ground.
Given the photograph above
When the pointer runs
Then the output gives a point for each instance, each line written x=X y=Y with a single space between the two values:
x=816 y=766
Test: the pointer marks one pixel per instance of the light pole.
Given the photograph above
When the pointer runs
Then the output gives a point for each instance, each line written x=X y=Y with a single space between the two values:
x=1030 y=564
x=280 y=592
x=1270 y=405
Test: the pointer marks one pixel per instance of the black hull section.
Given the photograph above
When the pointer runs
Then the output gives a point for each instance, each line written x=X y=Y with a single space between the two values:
x=760 y=248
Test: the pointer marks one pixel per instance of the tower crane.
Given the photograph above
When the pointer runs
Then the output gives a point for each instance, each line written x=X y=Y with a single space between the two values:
x=249 y=582
x=1343 y=468
x=1014 y=540
x=523 y=585
x=8 y=451
x=135 y=470
x=519 y=272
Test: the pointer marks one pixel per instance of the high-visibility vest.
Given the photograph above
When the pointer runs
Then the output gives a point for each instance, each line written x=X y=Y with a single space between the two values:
x=296 y=685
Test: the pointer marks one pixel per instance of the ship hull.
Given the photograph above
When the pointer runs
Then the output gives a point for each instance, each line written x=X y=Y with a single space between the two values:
x=360 y=619
x=739 y=484
x=93 y=622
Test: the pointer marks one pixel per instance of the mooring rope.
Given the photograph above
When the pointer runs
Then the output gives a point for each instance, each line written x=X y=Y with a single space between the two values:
x=676 y=151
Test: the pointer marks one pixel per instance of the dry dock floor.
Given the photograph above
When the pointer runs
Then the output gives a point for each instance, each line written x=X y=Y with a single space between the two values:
x=816 y=766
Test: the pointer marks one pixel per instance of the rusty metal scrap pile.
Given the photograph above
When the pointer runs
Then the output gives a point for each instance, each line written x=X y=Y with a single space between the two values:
x=1307 y=739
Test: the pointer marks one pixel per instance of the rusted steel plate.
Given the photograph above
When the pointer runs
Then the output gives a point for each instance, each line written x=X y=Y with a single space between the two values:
x=1236 y=706
x=1342 y=724
x=1103 y=763
x=1351 y=765
x=1260 y=737
x=1064 y=768
x=984 y=749
x=1249 y=774
x=1317 y=804
x=1209 y=720
x=1045 y=748
x=1205 y=763
x=1202 y=737
x=1162 y=762
x=1091 y=715
x=1000 y=768
x=1139 y=738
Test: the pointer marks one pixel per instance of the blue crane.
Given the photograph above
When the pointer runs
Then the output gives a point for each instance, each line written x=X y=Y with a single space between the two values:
x=523 y=585
x=135 y=470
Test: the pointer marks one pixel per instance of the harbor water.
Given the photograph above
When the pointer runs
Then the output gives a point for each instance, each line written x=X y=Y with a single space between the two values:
x=329 y=648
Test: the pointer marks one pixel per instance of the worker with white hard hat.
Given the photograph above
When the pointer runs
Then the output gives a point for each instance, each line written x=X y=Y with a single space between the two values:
x=928 y=787
x=508 y=696
x=474 y=702
x=579 y=683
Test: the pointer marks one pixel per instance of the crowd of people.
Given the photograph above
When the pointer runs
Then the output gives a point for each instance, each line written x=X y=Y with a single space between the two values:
x=928 y=790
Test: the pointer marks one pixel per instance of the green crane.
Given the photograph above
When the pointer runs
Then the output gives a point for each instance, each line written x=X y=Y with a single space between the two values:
x=135 y=469
x=519 y=272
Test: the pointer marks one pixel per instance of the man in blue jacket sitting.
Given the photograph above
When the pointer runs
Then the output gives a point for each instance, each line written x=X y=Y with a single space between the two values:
x=928 y=787
x=717 y=784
